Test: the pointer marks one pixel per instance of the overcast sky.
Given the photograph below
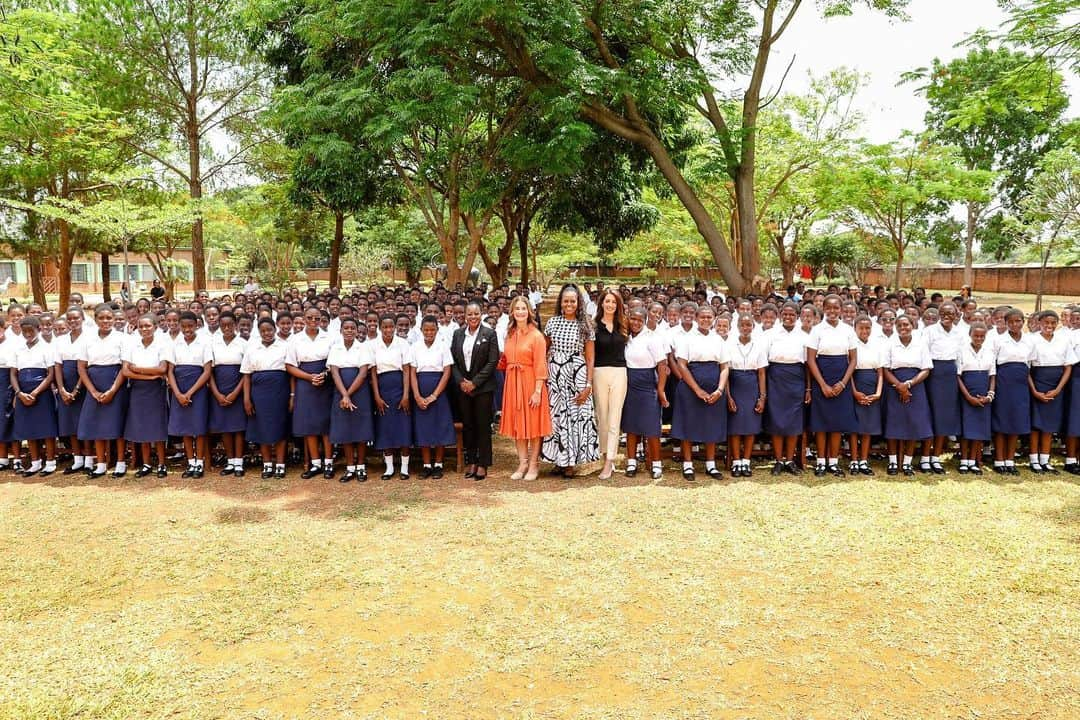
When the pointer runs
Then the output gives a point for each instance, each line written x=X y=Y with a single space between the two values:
x=882 y=49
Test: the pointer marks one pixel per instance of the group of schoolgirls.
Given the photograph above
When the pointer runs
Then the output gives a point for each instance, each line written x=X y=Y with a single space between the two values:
x=829 y=374
x=103 y=389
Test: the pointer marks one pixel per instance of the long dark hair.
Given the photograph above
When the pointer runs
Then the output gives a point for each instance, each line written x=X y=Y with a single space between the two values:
x=620 y=312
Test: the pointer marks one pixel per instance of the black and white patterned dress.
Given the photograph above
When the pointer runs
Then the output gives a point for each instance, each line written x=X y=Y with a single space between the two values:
x=573 y=440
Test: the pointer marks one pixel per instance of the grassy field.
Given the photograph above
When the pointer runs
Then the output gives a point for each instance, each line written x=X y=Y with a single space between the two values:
x=865 y=598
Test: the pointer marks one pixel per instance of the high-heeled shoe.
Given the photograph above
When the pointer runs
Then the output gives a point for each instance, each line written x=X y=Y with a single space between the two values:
x=520 y=472
x=606 y=473
x=532 y=474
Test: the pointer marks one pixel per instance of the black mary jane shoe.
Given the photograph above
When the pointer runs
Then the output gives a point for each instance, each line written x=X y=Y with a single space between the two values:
x=820 y=470
x=1037 y=469
x=1012 y=470
x=328 y=472
x=426 y=474
x=361 y=475
x=1072 y=469
x=238 y=472
x=267 y=472
x=348 y=476
x=143 y=471
x=792 y=468
x=715 y=473
x=866 y=470
x=198 y=474
x=837 y=471
x=437 y=472
x=631 y=471
x=688 y=474
x=94 y=474
x=388 y=476
x=226 y=471
x=975 y=469
x=72 y=470
x=1050 y=469
x=657 y=474
x=279 y=473
x=777 y=468
x=189 y=472
x=311 y=472
x=963 y=470
x=403 y=475
x=46 y=473
x=909 y=471
x=470 y=472
x=162 y=471
x=937 y=468
x=892 y=469
x=119 y=473
x=30 y=473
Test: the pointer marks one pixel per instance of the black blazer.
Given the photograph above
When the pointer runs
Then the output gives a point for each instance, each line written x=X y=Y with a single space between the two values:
x=485 y=356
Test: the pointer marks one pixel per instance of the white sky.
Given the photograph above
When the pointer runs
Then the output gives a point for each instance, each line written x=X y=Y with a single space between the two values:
x=883 y=49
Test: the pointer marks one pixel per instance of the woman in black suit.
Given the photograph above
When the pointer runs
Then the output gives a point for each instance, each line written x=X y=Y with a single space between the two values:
x=475 y=350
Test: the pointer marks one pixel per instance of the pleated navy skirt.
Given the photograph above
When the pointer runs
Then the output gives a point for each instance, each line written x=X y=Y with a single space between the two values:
x=433 y=427
x=352 y=426
x=944 y=398
x=99 y=421
x=1072 y=424
x=227 y=418
x=37 y=421
x=1011 y=413
x=190 y=421
x=835 y=414
x=785 y=411
x=7 y=394
x=1047 y=416
x=67 y=416
x=693 y=420
x=910 y=420
x=743 y=386
x=270 y=398
x=641 y=408
x=311 y=409
x=975 y=421
x=148 y=412
x=393 y=429
x=868 y=416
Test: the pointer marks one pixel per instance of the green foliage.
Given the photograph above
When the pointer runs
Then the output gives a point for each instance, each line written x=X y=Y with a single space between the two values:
x=397 y=238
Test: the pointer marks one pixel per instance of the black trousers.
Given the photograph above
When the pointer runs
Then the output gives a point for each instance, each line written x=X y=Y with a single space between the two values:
x=476 y=413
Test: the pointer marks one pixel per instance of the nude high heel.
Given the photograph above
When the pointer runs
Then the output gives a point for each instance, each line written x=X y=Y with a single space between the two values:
x=520 y=472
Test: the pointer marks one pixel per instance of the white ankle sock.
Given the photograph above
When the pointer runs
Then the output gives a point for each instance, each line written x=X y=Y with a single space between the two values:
x=77 y=462
x=317 y=462
x=710 y=464
x=389 y=460
x=892 y=459
x=50 y=465
x=99 y=468
x=908 y=459
x=121 y=467
x=1044 y=459
x=405 y=464
x=688 y=465
x=35 y=466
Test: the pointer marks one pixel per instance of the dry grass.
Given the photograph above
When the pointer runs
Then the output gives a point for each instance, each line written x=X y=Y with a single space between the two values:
x=582 y=599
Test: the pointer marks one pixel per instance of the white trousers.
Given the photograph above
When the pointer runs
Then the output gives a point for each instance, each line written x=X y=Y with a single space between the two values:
x=609 y=393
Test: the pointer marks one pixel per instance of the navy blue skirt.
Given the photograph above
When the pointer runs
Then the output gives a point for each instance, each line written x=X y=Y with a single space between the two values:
x=7 y=394
x=1011 y=413
x=433 y=427
x=1048 y=416
x=868 y=416
x=98 y=421
x=394 y=429
x=743 y=386
x=693 y=420
x=835 y=414
x=352 y=426
x=944 y=398
x=910 y=420
x=67 y=416
x=148 y=412
x=311 y=411
x=785 y=410
x=37 y=421
x=227 y=418
x=975 y=421
x=641 y=408
x=1072 y=424
x=270 y=398
x=190 y=421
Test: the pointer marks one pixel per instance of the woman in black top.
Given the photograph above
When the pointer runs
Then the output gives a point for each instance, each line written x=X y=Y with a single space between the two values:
x=609 y=375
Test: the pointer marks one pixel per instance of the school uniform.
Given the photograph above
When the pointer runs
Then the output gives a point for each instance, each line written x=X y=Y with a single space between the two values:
x=188 y=361
x=976 y=369
x=786 y=381
x=746 y=359
x=33 y=364
x=265 y=365
x=227 y=359
x=641 y=409
x=910 y=420
x=148 y=401
x=351 y=426
x=1072 y=421
x=1048 y=362
x=869 y=359
x=393 y=429
x=670 y=337
x=311 y=408
x=944 y=347
x=1011 y=413
x=103 y=356
x=832 y=344
x=66 y=353
x=693 y=419
x=7 y=393
x=433 y=427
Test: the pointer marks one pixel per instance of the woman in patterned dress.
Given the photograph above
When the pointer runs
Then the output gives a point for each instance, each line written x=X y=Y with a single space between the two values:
x=573 y=440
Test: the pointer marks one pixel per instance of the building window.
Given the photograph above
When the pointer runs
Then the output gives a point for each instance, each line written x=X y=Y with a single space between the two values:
x=7 y=270
x=80 y=273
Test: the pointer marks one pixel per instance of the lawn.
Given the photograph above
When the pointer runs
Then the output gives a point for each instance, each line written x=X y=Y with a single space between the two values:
x=864 y=598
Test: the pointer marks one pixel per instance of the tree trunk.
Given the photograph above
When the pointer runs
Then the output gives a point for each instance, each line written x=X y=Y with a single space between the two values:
x=523 y=250
x=67 y=254
x=335 y=248
x=498 y=267
x=106 y=285
x=37 y=277
x=748 y=229
x=899 y=276
x=969 y=243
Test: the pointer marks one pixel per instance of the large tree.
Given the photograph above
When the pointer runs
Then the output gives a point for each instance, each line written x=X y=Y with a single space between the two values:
x=1007 y=136
x=183 y=74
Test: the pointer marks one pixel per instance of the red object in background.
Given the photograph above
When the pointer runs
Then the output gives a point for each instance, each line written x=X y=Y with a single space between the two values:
x=805 y=273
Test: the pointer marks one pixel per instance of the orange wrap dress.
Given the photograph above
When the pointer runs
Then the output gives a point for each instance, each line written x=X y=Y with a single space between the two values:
x=525 y=361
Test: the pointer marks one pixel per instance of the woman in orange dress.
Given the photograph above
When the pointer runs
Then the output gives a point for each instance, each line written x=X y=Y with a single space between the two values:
x=526 y=413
